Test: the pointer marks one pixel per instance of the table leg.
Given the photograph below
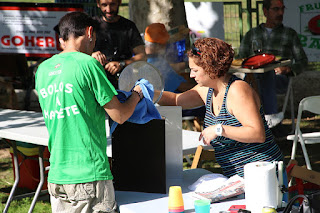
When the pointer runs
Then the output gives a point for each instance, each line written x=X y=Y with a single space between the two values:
x=17 y=176
x=42 y=178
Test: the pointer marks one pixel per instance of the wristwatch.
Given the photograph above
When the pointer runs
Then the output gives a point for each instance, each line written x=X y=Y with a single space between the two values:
x=219 y=129
x=122 y=64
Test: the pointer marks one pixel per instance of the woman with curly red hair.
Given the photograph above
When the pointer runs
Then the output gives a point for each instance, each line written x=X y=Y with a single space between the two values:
x=234 y=121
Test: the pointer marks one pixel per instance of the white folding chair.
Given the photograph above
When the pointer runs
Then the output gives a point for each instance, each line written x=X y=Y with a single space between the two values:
x=311 y=104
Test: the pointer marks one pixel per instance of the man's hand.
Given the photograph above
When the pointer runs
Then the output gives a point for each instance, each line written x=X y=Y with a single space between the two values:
x=282 y=70
x=113 y=67
x=137 y=89
x=100 y=57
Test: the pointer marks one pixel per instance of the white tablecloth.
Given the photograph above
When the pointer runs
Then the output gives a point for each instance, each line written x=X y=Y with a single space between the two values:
x=29 y=127
x=139 y=202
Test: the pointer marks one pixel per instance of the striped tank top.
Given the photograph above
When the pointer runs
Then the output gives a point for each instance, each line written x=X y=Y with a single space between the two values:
x=233 y=155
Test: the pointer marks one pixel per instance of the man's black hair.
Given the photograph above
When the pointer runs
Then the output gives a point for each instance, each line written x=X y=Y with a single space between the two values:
x=267 y=4
x=56 y=29
x=74 y=24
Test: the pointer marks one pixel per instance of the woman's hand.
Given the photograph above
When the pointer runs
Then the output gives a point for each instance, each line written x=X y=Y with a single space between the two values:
x=208 y=134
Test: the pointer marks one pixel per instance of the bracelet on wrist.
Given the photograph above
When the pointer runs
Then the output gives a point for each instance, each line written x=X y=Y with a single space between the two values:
x=139 y=93
x=122 y=64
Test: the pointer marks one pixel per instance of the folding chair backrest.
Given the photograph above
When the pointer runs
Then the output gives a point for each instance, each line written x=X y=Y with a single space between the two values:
x=311 y=104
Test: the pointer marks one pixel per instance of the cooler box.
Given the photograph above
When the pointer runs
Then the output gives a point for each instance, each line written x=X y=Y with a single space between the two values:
x=29 y=165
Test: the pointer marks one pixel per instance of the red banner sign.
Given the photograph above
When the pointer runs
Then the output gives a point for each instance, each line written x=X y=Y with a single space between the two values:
x=28 y=27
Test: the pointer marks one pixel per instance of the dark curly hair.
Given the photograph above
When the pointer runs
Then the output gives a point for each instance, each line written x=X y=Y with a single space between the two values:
x=215 y=56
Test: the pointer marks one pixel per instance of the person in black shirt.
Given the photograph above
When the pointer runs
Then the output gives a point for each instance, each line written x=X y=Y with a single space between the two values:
x=119 y=42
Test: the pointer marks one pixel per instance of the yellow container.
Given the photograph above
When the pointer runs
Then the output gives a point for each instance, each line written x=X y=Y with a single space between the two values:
x=27 y=151
x=175 y=199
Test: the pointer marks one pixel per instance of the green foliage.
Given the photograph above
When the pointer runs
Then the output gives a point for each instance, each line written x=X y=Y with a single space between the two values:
x=24 y=205
x=314 y=66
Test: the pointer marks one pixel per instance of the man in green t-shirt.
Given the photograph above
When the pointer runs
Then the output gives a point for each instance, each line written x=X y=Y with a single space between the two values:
x=74 y=94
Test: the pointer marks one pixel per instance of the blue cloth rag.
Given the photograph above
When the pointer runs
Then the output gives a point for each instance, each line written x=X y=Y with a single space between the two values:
x=145 y=110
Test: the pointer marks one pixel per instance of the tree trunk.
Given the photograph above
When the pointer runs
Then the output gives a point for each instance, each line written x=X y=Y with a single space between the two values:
x=171 y=13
